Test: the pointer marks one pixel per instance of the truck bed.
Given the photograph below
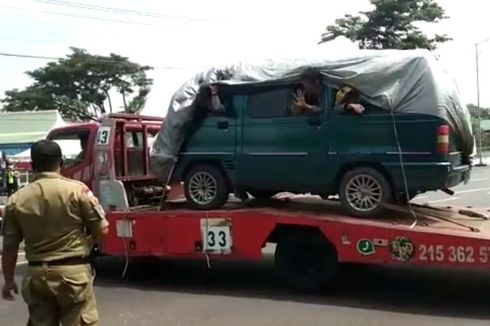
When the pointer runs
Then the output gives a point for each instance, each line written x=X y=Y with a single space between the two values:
x=445 y=219
x=424 y=235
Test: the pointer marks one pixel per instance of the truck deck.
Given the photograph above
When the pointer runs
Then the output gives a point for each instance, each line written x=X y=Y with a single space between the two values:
x=422 y=235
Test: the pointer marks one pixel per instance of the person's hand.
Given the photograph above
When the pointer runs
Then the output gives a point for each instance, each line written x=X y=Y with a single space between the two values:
x=299 y=99
x=357 y=108
x=7 y=290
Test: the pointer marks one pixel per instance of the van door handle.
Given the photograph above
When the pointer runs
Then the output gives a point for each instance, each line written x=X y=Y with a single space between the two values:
x=223 y=124
x=314 y=122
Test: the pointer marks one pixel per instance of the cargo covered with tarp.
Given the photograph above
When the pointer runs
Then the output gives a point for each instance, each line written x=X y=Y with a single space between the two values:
x=403 y=81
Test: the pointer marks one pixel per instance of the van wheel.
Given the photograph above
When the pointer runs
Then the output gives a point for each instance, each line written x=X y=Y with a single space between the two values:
x=206 y=187
x=306 y=260
x=363 y=191
x=262 y=195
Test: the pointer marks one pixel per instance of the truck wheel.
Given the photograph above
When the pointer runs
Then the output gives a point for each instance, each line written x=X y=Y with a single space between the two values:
x=306 y=261
x=206 y=187
x=262 y=195
x=363 y=191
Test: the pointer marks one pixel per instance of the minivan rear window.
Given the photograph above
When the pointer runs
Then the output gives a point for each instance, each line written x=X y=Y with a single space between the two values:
x=268 y=104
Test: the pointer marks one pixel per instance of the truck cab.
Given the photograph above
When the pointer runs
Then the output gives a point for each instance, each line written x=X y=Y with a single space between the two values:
x=115 y=150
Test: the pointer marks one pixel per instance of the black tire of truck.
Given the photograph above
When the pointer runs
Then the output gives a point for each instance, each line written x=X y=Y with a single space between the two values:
x=220 y=186
x=378 y=189
x=306 y=260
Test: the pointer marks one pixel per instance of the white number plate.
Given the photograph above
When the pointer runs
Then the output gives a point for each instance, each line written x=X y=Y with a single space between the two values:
x=124 y=228
x=103 y=136
x=216 y=235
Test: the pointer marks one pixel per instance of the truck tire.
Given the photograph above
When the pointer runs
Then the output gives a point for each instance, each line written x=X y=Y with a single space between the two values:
x=206 y=187
x=306 y=261
x=262 y=195
x=363 y=192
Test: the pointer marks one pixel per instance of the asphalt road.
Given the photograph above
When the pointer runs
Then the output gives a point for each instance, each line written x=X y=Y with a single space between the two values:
x=252 y=294
x=188 y=293
x=475 y=193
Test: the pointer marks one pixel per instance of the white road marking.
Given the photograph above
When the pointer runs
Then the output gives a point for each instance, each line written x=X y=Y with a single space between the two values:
x=478 y=179
x=421 y=197
x=21 y=258
x=443 y=200
x=471 y=190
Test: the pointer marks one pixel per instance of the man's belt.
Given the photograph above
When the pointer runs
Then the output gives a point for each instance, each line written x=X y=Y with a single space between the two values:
x=62 y=262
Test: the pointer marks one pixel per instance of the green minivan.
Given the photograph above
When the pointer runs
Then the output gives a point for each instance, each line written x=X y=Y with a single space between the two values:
x=256 y=145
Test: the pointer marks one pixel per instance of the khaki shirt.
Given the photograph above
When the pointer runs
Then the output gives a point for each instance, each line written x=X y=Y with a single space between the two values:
x=52 y=214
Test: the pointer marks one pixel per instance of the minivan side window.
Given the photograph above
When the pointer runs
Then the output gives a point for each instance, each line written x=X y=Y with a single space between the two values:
x=270 y=103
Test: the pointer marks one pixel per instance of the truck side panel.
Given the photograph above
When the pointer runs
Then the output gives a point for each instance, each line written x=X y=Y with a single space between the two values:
x=180 y=235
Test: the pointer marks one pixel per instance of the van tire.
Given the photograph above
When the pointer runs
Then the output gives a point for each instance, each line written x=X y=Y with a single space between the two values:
x=369 y=200
x=213 y=181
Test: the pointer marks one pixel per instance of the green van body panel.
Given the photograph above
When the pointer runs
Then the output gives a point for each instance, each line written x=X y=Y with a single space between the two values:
x=310 y=153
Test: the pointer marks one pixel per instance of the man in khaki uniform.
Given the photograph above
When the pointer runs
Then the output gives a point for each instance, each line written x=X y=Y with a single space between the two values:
x=59 y=219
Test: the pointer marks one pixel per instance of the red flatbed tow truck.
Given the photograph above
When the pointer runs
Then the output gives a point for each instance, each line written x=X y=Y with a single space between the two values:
x=313 y=236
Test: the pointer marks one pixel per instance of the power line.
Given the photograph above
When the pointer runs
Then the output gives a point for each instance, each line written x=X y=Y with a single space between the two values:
x=84 y=17
x=118 y=10
x=16 y=55
x=31 y=56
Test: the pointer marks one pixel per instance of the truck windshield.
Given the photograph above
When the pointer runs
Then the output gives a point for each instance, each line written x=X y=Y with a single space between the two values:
x=73 y=145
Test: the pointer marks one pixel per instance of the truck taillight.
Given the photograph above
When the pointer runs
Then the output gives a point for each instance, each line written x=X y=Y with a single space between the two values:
x=443 y=139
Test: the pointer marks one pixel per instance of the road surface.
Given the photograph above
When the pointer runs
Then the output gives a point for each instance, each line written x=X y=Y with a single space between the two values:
x=475 y=193
x=252 y=294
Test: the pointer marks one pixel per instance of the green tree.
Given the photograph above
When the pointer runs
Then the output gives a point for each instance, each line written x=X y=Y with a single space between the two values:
x=34 y=98
x=391 y=24
x=485 y=112
x=484 y=115
x=80 y=86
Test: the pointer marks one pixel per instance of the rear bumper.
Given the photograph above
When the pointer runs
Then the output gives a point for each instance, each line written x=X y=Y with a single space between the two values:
x=457 y=175
x=428 y=176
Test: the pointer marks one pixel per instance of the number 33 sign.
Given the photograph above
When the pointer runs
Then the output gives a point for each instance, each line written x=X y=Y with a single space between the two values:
x=216 y=236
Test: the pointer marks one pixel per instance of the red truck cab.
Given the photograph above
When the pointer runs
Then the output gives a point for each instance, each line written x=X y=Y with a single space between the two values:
x=81 y=166
x=117 y=148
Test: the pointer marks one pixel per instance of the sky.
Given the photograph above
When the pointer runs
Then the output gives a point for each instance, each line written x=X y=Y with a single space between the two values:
x=179 y=38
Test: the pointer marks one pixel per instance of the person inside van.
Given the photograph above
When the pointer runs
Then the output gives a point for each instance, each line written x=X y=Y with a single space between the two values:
x=208 y=98
x=347 y=100
x=307 y=99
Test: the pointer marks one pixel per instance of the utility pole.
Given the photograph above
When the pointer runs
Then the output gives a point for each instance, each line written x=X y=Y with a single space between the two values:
x=480 y=131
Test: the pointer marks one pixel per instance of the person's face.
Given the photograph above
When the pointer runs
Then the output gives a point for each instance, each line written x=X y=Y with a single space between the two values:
x=83 y=144
x=341 y=93
x=312 y=87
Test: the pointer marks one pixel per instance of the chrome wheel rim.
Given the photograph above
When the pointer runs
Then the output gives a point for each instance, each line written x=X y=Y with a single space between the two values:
x=364 y=193
x=203 y=188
